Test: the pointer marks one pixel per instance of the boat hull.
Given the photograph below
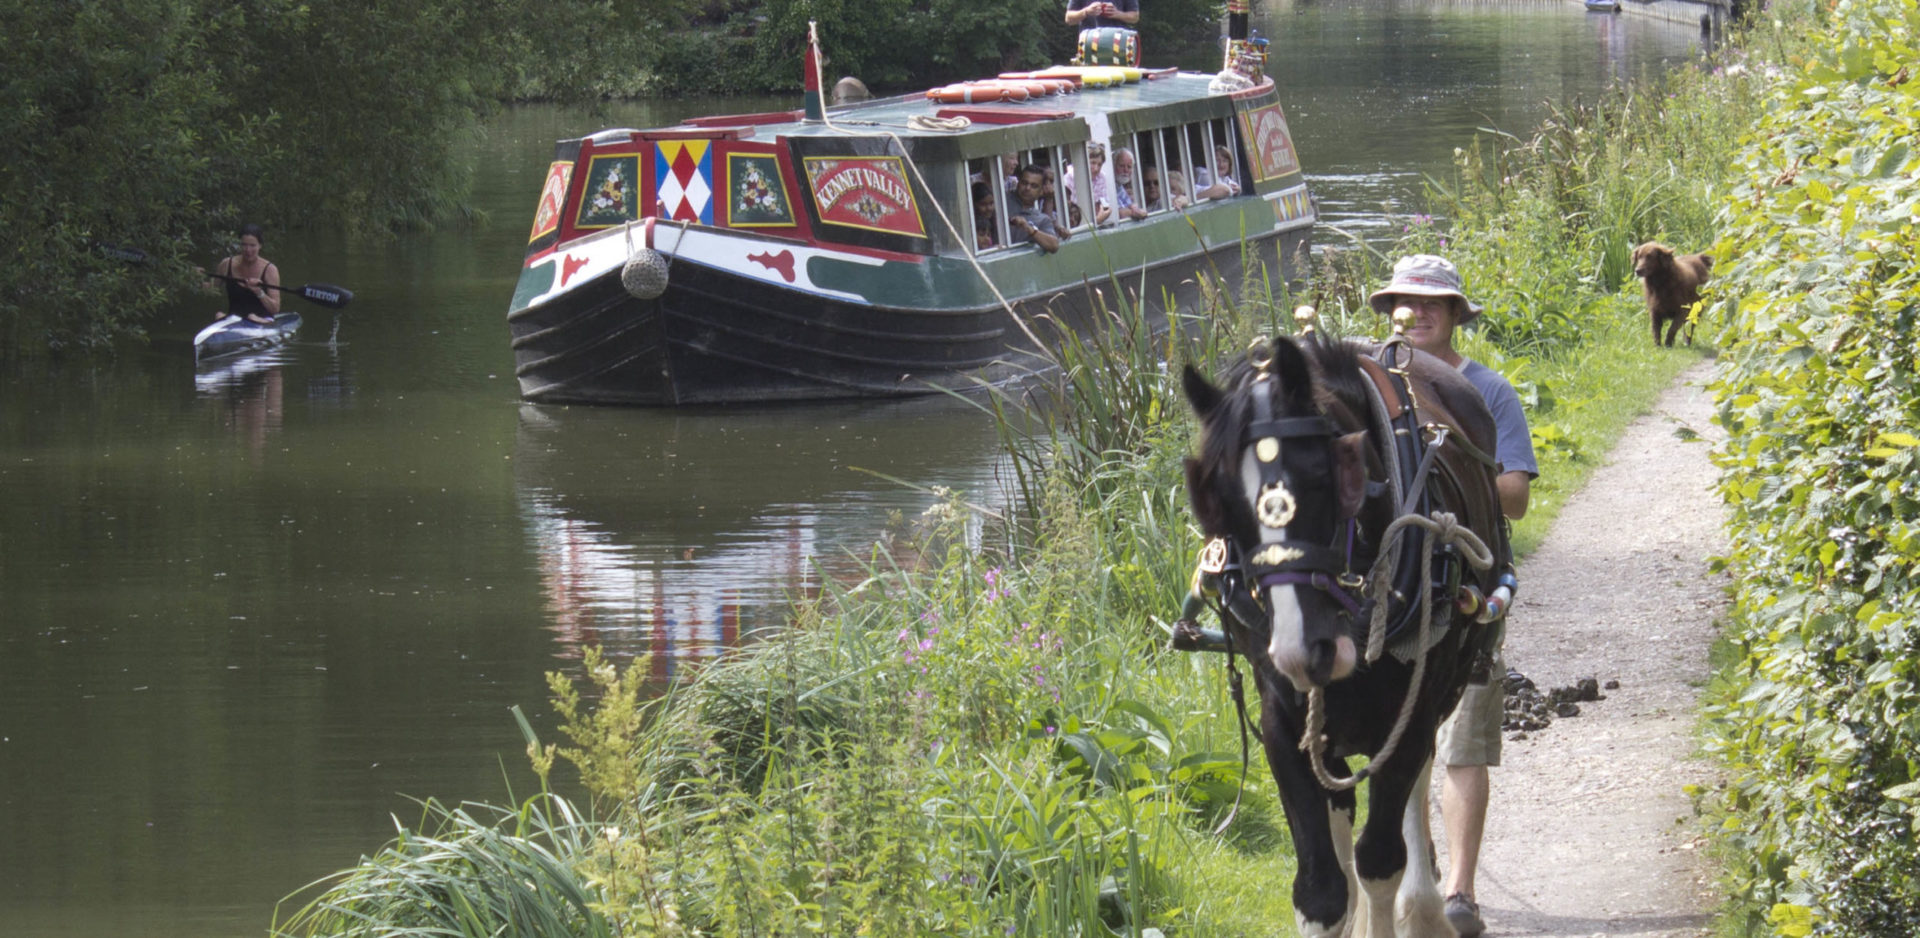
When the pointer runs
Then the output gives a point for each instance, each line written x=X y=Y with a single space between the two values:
x=235 y=335
x=719 y=335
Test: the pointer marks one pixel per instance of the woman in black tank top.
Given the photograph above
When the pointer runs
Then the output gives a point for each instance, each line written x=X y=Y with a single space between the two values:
x=247 y=293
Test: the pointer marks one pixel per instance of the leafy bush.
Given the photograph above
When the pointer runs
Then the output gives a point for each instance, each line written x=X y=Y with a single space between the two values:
x=1818 y=299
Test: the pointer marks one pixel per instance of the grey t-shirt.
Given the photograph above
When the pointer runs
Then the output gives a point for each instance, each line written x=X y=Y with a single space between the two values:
x=1514 y=449
x=1041 y=221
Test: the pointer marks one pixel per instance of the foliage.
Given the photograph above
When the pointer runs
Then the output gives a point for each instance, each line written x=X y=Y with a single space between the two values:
x=161 y=125
x=503 y=871
x=1818 y=302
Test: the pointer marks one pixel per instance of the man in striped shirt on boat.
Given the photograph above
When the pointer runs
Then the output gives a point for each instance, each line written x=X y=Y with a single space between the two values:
x=1030 y=222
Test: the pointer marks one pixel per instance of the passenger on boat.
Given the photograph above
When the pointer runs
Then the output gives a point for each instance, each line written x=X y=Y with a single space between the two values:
x=1123 y=185
x=1180 y=194
x=985 y=232
x=1219 y=183
x=1031 y=222
x=1102 y=184
x=249 y=276
x=1102 y=187
x=1096 y=14
x=1150 y=187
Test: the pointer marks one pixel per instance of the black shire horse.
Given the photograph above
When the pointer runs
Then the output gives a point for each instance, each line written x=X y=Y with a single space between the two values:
x=1329 y=485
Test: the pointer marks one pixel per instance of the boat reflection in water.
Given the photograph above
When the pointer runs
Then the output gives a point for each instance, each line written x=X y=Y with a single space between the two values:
x=684 y=534
x=252 y=391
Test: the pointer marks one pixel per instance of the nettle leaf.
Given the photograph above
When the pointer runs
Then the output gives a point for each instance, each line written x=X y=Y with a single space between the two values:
x=1893 y=160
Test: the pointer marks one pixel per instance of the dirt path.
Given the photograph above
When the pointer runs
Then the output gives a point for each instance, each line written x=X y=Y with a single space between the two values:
x=1589 y=832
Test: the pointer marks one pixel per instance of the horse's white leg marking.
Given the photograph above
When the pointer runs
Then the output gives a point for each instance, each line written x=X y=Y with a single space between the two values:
x=1418 y=910
x=1342 y=824
x=1308 y=929
x=1376 y=908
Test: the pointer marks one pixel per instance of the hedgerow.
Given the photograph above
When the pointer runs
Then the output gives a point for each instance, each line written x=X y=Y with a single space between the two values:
x=1817 y=297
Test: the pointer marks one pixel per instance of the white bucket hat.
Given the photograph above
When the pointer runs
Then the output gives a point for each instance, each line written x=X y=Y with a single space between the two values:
x=1424 y=275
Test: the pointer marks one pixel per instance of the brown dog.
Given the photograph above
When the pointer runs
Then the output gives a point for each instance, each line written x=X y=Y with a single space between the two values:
x=1673 y=284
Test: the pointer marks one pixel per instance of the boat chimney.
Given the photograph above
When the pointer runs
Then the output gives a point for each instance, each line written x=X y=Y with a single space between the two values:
x=1236 y=34
x=816 y=108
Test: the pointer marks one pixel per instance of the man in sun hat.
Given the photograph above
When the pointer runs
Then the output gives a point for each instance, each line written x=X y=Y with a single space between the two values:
x=1469 y=742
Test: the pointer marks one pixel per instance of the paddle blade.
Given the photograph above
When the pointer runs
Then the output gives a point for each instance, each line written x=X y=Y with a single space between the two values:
x=326 y=294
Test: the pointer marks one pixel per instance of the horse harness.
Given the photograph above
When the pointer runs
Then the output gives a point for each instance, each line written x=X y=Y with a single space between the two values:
x=1236 y=584
x=1403 y=575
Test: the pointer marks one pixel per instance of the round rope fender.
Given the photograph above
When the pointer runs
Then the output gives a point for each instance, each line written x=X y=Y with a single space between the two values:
x=644 y=275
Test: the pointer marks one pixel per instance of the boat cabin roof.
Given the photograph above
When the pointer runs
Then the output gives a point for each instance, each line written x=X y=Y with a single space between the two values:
x=1163 y=98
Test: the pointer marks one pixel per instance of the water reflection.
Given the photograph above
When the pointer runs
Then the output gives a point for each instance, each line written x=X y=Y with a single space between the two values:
x=682 y=534
x=249 y=391
x=1380 y=92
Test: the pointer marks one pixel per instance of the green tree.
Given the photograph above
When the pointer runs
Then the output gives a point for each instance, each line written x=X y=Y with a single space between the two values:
x=163 y=124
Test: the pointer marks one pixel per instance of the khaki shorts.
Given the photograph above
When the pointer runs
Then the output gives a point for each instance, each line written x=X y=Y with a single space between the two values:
x=1471 y=736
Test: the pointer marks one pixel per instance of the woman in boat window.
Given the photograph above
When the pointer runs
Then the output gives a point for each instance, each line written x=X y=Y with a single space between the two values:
x=1179 y=194
x=1102 y=184
x=248 y=277
x=1213 y=174
x=985 y=229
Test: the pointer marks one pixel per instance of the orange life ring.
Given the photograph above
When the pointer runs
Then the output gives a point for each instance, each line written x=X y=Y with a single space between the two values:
x=980 y=92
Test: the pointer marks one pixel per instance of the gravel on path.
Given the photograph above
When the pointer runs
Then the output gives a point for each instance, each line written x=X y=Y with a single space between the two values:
x=1589 y=832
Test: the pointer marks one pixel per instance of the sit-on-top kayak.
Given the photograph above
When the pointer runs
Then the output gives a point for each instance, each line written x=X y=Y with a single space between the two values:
x=234 y=335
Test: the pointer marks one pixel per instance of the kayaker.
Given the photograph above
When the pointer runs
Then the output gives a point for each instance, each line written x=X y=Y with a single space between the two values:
x=247 y=276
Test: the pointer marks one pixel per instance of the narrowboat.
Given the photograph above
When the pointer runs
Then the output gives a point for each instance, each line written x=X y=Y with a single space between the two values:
x=838 y=252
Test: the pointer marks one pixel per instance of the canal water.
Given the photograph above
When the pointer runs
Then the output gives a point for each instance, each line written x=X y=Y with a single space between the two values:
x=248 y=613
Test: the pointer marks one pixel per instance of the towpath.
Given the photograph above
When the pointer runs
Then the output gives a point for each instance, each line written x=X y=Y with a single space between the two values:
x=1590 y=832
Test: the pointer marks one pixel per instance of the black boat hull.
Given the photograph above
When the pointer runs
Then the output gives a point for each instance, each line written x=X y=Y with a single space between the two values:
x=717 y=336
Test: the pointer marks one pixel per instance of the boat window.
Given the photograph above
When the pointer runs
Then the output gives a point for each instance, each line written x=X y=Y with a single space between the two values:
x=988 y=195
x=1079 y=199
x=1216 y=156
x=1100 y=193
x=1179 y=174
x=1068 y=165
x=1128 y=199
x=1152 y=181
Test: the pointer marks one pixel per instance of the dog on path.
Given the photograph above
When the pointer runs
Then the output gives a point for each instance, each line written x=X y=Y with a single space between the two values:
x=1672 y=282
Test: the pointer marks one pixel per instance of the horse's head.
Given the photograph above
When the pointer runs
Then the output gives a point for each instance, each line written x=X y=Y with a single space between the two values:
x=1280 y=480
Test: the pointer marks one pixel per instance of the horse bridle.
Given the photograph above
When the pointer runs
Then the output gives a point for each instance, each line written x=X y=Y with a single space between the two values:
x=1290 y=561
